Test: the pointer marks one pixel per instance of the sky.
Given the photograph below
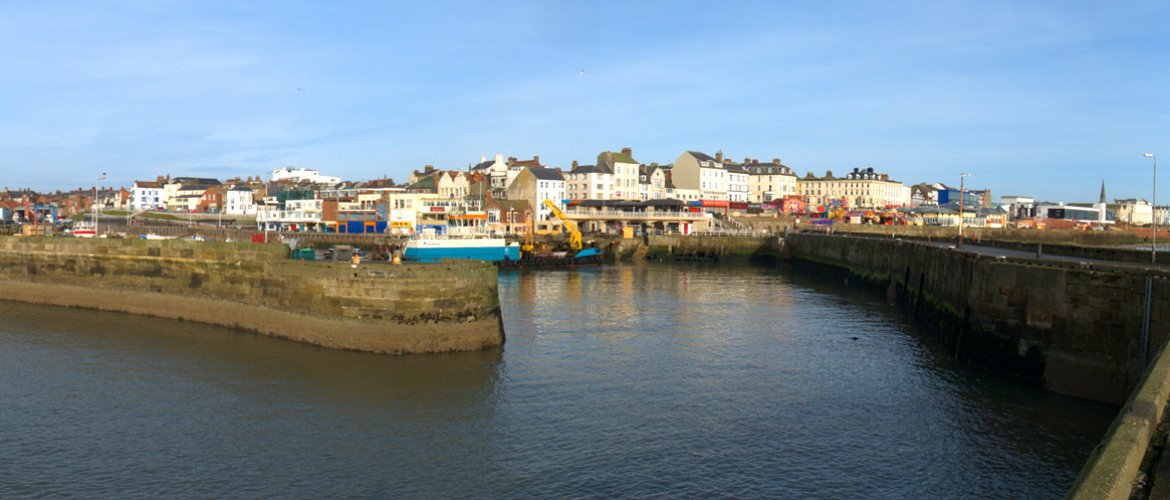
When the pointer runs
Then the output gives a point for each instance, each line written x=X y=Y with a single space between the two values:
x=1043 y=99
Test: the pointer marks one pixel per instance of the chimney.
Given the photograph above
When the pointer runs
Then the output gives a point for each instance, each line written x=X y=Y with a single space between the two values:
x=747 y=161
x=536 y=159
x=499 y=158
x=511 y=159
x=482 y=158
x=627 y=151
x=428 y=169
x=719 y=156
x=574 y=164
x=776 y=161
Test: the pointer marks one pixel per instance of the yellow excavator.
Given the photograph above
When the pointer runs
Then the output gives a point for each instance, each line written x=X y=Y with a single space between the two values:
x=574 y=233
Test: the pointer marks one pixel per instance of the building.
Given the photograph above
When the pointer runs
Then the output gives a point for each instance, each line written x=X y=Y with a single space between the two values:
x=588 y=182
x=212 y=200
x=496 y=172
x=240 y=201
x=970 y=197
x=147 y=195
x=177 y=192
x=507 y=216
x=923 y=194
x=770 y=181
x=535 y=185
x=1018 y=207
x=310 y=175
x=1096 y=213
x=698 y=171
x=625 y=173
x=859 y=190
x=738 y=183
x=515 y=166
x=1133 y=211
x=452 y=184
x=651 y=183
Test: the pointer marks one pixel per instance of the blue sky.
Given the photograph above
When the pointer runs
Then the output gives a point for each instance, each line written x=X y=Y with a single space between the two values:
x=1031 y=98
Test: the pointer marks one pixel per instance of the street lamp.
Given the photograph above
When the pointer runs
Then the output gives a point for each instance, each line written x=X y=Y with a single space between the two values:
x=962 y=177
x=95 y=203
x=1154 y=212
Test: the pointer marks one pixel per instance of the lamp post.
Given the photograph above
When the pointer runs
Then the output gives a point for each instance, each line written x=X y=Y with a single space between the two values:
x=962 y=177
x=1154 y=212
x=95 y=203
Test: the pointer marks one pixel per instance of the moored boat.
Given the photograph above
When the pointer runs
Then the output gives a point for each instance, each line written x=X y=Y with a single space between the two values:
x=84 y=230
x=436 y=249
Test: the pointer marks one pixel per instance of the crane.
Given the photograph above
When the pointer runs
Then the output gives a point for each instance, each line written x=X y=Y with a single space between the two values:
x=574 y=233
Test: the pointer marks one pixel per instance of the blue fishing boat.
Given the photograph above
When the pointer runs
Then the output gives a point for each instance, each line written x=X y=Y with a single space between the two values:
x=436 y=249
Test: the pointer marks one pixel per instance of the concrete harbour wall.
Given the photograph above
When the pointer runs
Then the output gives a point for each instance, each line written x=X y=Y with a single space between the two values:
x=386 y=309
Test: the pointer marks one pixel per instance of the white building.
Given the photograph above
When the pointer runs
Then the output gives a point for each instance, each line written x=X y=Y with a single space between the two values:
x=146 y=195
x=303 y=174
x=239 y=201
x=698 y=171
x=297 y=215
x=738 y=182
x=1133 y=211
x=1018 y=207
x=1095 y=213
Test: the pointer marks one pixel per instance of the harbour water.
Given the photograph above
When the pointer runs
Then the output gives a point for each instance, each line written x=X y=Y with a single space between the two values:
x=647 y=380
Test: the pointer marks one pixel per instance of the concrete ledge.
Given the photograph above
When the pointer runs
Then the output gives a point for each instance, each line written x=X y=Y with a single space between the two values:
x=1114 y=465
x=337 y=333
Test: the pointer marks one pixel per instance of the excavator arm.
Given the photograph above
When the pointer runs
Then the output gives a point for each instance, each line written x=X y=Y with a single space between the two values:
x=575 y=243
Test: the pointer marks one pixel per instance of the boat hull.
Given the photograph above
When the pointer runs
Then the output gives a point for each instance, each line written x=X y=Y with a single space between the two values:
x=434 y=250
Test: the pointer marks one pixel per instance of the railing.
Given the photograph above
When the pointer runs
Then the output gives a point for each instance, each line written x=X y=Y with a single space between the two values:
x=755 y=233
x=287 y=216
x=595 y=214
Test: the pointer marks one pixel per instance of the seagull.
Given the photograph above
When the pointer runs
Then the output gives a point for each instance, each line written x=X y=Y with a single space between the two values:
x=300 y=89
x=582 y=72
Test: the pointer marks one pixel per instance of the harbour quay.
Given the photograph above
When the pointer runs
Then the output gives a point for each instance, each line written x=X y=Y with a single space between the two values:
x=453 y=306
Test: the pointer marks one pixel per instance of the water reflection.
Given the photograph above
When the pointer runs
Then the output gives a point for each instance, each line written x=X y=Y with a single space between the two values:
x=620 y=381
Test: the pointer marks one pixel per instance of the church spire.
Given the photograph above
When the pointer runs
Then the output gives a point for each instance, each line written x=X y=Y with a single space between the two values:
x=1102 y=191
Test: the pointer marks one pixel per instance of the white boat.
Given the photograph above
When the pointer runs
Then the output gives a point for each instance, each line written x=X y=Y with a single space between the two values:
x=83 y=230
x=436 y=249
x=463 y=237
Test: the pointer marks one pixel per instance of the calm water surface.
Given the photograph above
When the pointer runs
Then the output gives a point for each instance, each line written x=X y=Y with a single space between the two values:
x=629 y=381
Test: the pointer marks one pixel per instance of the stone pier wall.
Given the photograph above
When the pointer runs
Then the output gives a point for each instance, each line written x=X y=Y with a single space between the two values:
x=1074 y=329
x=378 y=308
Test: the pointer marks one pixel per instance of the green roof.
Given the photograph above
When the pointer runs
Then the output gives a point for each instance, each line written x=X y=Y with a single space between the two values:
x=427 y=182
x=620 y=157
